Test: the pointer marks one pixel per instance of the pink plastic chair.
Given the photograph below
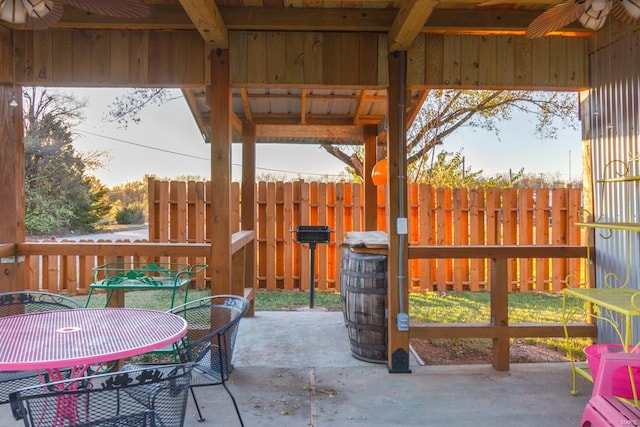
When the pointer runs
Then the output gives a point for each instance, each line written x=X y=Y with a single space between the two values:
x=604 y=409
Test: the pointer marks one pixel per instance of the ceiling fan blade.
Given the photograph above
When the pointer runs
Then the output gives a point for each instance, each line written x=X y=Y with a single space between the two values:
x=495 y=3
x=114 y=8
x=554 y=18
x=619 y=12
x=47 y=20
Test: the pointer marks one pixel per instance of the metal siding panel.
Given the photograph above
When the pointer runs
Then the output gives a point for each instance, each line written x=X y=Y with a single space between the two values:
x=615 y=99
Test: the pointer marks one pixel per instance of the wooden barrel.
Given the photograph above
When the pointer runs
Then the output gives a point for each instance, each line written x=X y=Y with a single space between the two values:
x=363 y=289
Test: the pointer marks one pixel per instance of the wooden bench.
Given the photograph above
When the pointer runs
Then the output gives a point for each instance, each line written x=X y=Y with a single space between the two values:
x=144 y=276
x=604 y=408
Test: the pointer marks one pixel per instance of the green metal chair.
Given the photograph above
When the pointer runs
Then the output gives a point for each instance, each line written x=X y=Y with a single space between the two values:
x=144 y=276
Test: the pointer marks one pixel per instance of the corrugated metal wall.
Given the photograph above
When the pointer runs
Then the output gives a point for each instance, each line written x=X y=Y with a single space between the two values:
x=612 y=125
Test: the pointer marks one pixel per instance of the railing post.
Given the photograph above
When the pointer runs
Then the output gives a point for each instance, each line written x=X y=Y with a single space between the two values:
x=500 y=313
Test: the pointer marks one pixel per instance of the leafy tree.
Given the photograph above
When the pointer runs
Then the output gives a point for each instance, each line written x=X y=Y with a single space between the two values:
x=446 y=111
x=59 y=194
x=129 y=193
x=130 y=215
x=449 y=170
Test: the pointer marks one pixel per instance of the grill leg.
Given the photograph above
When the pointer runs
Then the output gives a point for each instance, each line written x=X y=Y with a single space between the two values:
x=312 y=255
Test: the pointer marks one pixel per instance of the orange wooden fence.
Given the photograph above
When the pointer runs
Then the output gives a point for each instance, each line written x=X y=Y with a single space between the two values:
x=179 y=212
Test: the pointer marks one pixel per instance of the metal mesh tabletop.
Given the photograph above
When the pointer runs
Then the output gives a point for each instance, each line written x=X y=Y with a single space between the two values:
x=84 y=336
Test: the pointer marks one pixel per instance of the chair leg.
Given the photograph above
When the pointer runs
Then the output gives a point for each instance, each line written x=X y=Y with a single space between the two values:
x=235 y=405
x=195 y=401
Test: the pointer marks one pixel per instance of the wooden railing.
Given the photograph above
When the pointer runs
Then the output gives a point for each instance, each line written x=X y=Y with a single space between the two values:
x=67 y=267
x=499 y=329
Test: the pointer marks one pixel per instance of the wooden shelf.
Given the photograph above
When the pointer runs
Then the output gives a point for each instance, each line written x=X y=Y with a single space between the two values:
x=626 y=226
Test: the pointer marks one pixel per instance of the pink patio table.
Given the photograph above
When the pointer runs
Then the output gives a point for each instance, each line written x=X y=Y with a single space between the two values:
x=80 y=338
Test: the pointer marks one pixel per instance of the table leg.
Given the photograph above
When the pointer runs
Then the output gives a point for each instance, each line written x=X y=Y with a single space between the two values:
x=627 y=333
x=574 y=385
x=66 y=404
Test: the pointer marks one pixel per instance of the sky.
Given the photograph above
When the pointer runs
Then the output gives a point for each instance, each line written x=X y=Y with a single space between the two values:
x=167 y=144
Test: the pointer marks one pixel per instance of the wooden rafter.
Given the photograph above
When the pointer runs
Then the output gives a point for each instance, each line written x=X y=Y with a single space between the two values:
x=361 y=101
x=207 y=19
x=408 y=23
x=246 y=105
x=303 y=107
x=415 y=108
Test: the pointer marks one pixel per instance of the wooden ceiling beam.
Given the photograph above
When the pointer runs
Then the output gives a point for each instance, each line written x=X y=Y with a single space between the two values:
x=310 y=132
x=207 y=19
x=464 y=21
x=409 y=22
x=310 y=96
x=308 y=19
x=167 y=17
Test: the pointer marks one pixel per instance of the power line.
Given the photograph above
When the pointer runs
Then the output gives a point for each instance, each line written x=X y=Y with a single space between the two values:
x=143 y=145
x=163 y=150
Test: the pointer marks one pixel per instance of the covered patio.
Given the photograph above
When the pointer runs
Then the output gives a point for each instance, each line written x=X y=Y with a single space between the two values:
x=256 y=72
x=343 y=72
x=285 y=378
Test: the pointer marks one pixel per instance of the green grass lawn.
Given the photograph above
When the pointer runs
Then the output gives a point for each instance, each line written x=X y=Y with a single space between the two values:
x=427 y=307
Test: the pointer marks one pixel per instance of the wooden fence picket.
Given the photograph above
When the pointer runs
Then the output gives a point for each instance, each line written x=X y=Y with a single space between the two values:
x=525 y=237
x=477 y=272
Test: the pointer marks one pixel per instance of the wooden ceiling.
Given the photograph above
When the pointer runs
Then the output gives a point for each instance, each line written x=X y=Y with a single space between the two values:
x=332 y=111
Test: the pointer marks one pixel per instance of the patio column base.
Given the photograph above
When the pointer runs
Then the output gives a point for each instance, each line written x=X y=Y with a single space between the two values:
x=399 y=362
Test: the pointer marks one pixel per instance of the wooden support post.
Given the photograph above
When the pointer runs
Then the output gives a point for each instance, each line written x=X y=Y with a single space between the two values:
x=398 y=261
x=116 y=297
x=12 y=211
x=500 y=312
x=370 y=190
x=220 y=225
x=248 y=214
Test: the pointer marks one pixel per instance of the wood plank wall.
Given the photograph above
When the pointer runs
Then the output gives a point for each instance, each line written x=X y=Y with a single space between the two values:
x=102 y=58
x=434 y=60
x=498 y=61
x=6 y=58
x=105 y=58
x=308 y=58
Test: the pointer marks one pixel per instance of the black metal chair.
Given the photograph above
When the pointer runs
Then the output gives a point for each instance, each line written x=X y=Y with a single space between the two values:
x=12 y=303
x=154 y=396
x=212 y=328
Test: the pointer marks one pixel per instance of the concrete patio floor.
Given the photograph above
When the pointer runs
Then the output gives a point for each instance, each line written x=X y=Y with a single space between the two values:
x=295 y=369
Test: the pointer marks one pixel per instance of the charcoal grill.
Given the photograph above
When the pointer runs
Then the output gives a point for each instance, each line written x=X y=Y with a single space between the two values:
x=312 y=234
